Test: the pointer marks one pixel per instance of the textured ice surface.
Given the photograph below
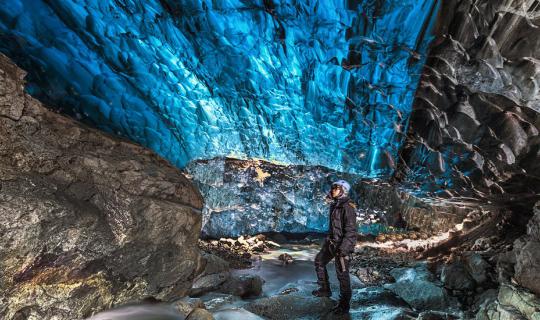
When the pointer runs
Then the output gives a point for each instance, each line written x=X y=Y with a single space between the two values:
x=250 y=197
x=474 y=129
x=247 y=197
x=306 y=82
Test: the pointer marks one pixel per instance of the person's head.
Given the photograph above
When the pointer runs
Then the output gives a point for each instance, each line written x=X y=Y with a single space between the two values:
x=339 y=189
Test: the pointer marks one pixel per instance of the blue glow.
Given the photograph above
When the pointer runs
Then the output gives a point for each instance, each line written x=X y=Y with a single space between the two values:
x=303 y=82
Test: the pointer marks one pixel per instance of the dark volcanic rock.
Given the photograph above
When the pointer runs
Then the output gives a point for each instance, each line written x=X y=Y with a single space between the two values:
x=87 y=221
x=243 y=286
x=477 y=267
x=455 y=277
x=291 y=306
x=216 y=272
x=527 y=254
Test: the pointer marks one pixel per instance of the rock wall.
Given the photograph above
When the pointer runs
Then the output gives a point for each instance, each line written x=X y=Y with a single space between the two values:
x=476 y=116
x=87 y=221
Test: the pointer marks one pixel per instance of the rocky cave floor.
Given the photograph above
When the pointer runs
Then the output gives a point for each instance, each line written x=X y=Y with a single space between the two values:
x=400 y=275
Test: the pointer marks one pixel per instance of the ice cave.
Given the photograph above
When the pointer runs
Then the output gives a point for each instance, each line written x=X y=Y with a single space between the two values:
x=206 y=159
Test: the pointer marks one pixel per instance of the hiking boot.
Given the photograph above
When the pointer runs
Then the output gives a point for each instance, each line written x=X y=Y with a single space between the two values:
x=323 y=291
x=340 y=310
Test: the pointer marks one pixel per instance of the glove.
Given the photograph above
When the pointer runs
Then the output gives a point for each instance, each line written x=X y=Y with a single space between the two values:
x=332 y=247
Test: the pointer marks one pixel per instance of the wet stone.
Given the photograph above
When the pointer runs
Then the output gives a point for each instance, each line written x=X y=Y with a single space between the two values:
x=200 y=314
x=418 y=287
x=456 y=277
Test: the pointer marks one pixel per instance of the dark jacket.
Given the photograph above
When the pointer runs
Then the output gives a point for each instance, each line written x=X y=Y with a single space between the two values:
x=342 y=230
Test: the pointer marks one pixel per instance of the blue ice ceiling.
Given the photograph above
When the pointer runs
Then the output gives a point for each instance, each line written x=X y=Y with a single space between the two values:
x=307 y=82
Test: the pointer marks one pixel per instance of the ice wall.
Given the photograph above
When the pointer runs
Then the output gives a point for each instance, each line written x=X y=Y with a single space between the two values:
x=475 y=125
x=306 y=82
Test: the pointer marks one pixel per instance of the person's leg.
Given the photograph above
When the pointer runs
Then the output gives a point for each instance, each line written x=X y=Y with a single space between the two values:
x=321 y=260
x=345 y=293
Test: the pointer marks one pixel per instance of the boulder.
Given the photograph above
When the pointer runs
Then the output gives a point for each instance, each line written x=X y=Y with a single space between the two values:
x=290 y=306
x=214 y=301
x=455 y=277
x=207 y=283
x=376 y=296
x=296 y=302
x=526 y=249
x=436 y=315
x=419 y=289
x=533 y=226
x=88 y=221
x=512 y=303
x=214 y=264
x=215 y=273
x=528 y=304
x=200 y=314
x=243 y=286
x=186 y=305
x=528 y=264
x=496 y=311
x=476 y=267
x=484 y=299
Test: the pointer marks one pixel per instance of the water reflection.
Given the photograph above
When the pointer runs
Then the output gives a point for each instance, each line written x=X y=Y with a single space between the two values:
x=158 y=311
x=300 y=274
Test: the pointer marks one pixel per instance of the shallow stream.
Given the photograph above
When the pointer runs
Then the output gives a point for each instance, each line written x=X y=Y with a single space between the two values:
x=297 y=277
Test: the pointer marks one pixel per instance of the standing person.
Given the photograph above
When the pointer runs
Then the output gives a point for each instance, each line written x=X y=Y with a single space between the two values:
x=338 y=244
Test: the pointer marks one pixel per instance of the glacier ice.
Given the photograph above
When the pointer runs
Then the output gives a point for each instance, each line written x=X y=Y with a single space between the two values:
x=255 y=196
x=302 y=82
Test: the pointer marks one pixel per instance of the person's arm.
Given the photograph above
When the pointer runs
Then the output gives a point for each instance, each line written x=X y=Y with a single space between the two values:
x=349 y=231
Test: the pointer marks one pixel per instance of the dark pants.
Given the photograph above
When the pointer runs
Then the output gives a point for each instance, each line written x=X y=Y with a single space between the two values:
x=321 y=260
